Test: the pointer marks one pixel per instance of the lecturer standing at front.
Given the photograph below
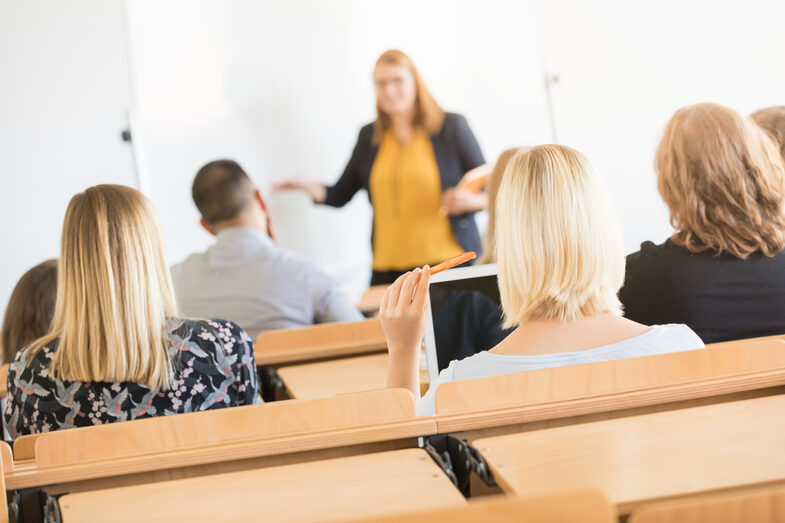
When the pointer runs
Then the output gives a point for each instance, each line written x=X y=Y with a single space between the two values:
x=409 y=160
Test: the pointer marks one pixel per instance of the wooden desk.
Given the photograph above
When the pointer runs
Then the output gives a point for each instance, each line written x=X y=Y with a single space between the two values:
x=585 y=507
x=371 y=300
x=325 y=341
x=341 y=376
x=538 y=399
x=218 y=441
x=758 y=505
x=646 y=458
x=373 y=484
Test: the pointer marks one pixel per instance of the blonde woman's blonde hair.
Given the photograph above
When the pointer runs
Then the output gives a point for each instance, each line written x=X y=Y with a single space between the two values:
x=724 y=182
x=772 y=120
x=557 y=240
x=427 y=113
x=114 y=292
x=492 y=189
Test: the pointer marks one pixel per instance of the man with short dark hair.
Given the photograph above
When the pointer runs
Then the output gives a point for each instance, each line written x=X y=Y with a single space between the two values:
x=245 y=277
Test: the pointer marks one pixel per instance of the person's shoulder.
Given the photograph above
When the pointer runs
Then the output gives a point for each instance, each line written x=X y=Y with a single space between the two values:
x=647 y=249
x=677 y=335
x=650 y=254
x=294 y=263
x=207 y=332
x=469 y=367
x=189 y=262
x=453 y=121
x=366 y=133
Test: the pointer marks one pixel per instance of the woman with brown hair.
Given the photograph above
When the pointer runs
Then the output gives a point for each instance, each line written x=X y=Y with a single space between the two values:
x=117 y=348
x=772 y=120
x=409 y=160
x=492 y=191
x=30 y=309
x=723 y=271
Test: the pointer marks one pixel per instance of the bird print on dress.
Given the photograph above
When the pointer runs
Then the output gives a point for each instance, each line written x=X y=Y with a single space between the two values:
x=213 y=367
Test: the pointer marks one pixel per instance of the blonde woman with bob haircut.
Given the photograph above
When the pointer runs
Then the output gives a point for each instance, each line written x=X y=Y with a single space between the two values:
x=409 y=160
x=723 y=271
x=116 y=349
x=560 y=267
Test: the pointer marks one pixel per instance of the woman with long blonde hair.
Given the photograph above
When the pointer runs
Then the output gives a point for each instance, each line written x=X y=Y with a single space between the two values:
x=409 y=160
x=723 y=271
x=561 y=265
x=117 y=349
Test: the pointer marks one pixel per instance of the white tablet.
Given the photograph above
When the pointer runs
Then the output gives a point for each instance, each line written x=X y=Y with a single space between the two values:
x=464 y=315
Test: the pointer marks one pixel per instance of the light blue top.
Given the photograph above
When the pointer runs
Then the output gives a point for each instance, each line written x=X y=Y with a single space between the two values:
x=246 y=278
x=659 y=339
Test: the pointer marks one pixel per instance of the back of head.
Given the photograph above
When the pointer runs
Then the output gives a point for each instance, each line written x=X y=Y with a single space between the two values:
x=492 y=189
x=772 y=120
x=724 y=182
x=221 y=191
x=114 y=291
x=28 y=315
x=557 y=240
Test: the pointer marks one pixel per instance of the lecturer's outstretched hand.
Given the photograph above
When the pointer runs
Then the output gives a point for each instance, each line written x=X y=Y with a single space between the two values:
x=315 y=190
x=402 y=313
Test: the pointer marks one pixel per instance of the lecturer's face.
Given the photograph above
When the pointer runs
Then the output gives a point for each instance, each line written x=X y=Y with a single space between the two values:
x=395 y=88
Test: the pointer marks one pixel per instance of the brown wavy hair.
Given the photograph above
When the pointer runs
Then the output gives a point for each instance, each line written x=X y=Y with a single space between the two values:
x=724 y=182
x=772 y=120
x=428 y=115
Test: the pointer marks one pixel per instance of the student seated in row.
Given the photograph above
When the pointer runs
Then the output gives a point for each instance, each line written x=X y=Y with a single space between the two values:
x=244 y=276
x=723 y=271
x=118 y=349
x=561 y=265
x=30 y=309
x=772 y=120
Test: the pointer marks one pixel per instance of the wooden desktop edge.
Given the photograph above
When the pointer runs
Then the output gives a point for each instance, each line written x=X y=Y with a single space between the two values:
x=26 y=474
x=293 y=355
x=614 y=401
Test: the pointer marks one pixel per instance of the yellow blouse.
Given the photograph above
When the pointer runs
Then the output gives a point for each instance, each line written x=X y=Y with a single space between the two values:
x=406 y=193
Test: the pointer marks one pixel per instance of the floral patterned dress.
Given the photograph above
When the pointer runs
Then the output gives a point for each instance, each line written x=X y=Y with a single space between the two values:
x=213 y=368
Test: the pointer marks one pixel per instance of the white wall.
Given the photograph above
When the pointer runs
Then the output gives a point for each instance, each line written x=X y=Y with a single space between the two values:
x=64 y=89
x=625 y=67
x=283 y=87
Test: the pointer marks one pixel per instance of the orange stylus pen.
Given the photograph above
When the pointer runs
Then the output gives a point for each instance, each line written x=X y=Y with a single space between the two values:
x=452 y=262
x=474 y=185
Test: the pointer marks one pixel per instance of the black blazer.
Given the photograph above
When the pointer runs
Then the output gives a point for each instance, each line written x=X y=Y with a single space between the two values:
x=456 y=151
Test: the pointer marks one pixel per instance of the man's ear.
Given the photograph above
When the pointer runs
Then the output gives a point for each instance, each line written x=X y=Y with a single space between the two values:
x=209 y=228
x=260 y=199
x=263 y=204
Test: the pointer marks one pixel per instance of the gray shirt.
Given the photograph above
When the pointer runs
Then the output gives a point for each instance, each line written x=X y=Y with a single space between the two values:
x=245 y=278
x=659 y=339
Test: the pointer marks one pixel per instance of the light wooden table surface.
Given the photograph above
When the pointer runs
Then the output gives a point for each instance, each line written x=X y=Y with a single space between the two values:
x=759 y=506
x=651 y=457
x=336 y=489
x=341 y=376
x=371 y=299
x=571 y=507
